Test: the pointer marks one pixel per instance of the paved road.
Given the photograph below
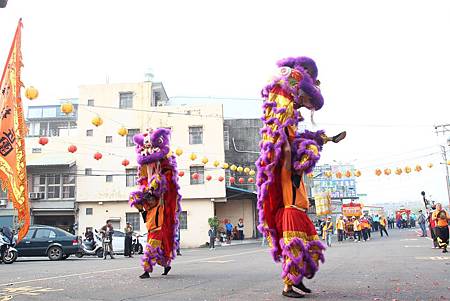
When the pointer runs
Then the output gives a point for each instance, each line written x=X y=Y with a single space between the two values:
x=402 y=267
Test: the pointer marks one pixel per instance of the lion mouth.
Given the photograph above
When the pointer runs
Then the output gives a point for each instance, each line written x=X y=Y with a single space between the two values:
x=150 y=151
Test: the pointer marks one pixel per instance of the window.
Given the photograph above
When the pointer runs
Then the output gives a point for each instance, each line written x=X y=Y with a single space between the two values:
x=69 y=185
x=53 y=186
x=34 y=112
x=88 y=172
x=125 y=100
x=134 y=220
x=49 y=112
x=195 y=135
x=131 y=133
x=108 y=139
x=157 y=96
x=89 y=133
x=36 y=150
x=90 y=102
x=109 y=178
x=183 y=220
x=200 y=170
x=38 y=183
x=45 y=233
x=89 y=211
x=131 y=177
x=226 y=138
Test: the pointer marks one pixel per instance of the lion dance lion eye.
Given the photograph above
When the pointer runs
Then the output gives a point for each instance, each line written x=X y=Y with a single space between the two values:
x=160 y=140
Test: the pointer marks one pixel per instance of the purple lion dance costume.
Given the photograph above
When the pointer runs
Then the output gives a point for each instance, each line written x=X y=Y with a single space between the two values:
x=157 y=198
x=286 y=155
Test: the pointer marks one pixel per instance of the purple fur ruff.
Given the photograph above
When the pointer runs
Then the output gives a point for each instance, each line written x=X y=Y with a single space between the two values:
x=316 y=136
x=152 y=256
x=304 y=262
x=300 y=63
x=299 y=147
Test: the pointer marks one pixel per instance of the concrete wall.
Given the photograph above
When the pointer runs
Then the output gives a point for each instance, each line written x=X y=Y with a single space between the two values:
x=235 y=209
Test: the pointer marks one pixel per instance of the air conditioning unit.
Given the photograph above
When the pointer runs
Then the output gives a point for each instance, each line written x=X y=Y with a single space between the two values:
x=3 y=202
x=36 y=195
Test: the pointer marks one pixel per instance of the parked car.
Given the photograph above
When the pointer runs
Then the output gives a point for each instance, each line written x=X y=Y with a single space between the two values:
x=119 y=242
x=48 y=241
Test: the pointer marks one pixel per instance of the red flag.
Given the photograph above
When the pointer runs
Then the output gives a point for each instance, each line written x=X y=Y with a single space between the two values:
x=13 y=172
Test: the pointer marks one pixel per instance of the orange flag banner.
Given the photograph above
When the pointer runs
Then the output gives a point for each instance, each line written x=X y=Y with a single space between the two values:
x=13 y=171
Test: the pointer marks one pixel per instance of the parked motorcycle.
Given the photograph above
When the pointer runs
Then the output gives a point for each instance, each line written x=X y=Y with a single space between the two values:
x=136 y=246
x=7 y=243
x=91 y=247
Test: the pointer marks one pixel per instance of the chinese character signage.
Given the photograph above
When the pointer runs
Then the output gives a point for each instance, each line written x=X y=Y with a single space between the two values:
x=13 y=172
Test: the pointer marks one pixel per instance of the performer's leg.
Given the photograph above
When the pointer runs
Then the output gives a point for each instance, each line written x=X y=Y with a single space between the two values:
x=166 y=270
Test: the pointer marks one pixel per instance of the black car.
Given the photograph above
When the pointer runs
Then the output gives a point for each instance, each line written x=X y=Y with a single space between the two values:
x=48 y=241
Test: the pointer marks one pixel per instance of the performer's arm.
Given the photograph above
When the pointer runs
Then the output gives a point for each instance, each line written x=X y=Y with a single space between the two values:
x=144 y=215
x=287 y=155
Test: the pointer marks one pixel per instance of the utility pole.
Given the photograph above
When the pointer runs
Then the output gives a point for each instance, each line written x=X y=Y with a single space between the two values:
x=443 y=129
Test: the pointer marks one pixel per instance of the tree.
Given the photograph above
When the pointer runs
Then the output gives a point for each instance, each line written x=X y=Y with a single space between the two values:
x=213 y=222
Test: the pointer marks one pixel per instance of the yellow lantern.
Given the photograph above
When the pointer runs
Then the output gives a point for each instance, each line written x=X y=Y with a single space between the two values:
x=205 y=160
x=328 y=174
x=31 y=93
x=67 y=108
x=310 y=175
x=240 y=169
x=418 y=168
x=357 y=173
x=398 y=171
x=387 y=171
x=225 y=166
x=216 y=163
x=246 y=170
x=430 y=165
x=97 y=121
x=193 y=156
x=407 y=169
x=122 y=131
x=178 y=151
x=233 y=167
x=448 y=162
x=378 y=172
x=252 y=172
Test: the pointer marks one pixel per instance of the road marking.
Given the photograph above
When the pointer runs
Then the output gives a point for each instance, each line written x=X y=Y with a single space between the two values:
x=434 y=258
x=417 y=231
x=125 y=269
x=11 y=292
x=408 y=239
x=217 y=261
x=415 y=246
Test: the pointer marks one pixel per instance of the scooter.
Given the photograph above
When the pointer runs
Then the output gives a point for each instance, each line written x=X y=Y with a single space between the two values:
x=91 y=248
x=136 y=246
x=7 y=243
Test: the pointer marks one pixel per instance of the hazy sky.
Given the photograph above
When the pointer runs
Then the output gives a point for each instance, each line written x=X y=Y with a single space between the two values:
x=383 y=65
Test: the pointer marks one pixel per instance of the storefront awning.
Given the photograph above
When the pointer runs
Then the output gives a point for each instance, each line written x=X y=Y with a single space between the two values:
x=235 y=192
x=34 y=160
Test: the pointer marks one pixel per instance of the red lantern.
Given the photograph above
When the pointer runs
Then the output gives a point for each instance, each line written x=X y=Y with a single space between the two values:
x=181 y=173
x=98 y=156
x=251 y=180
x=232 y=180
x=241 y=180
x=195 y=176
x=221 y=179
x=378 y=172
x=72 y=149
x=208 y=178
x=43 y=140
x=125 y=162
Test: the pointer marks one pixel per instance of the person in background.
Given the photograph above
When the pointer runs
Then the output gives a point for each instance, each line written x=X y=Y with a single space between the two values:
x=421 y=221
x=240 y=227
x=432 y=224
x=340 y=224
x=212 y=237
x=356 y=229
x=128 y=240
x=235 y=234
x=412 y=220
x=89 y=235
x=383 y=223
x=376 y=222
x=229 y=229
x=365 y=228
x=107 y=232
x=441 y=218
x=328 y=230
x=178 y=238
